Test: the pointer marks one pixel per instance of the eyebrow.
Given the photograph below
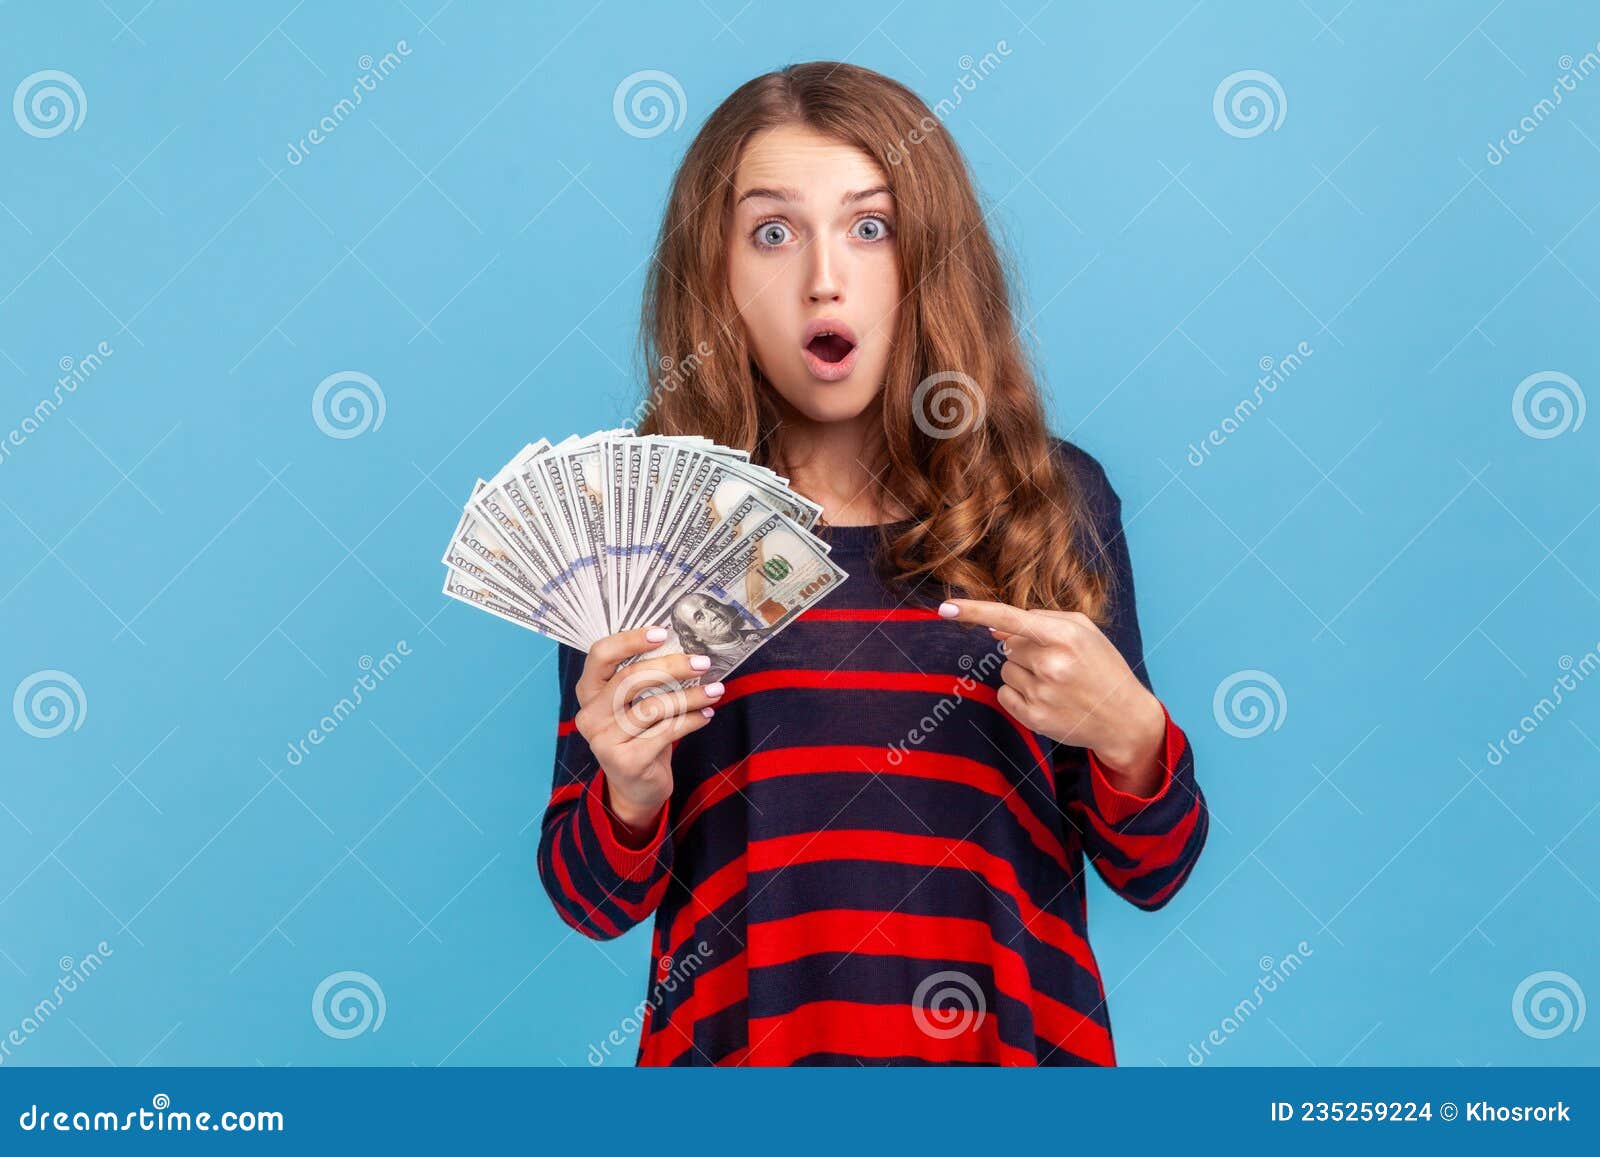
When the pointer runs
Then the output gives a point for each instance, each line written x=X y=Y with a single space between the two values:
x=784 y=193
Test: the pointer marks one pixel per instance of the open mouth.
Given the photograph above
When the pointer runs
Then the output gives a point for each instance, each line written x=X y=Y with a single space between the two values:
x=830 y=347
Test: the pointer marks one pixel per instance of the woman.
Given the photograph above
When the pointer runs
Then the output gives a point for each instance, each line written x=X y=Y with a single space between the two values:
x=867 y=846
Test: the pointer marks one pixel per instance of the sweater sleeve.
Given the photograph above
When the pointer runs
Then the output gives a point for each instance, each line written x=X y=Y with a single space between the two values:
x=1143 y=847
x=599 y=884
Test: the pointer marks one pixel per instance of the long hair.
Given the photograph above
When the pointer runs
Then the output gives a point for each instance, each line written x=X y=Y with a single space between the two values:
x=963 y=441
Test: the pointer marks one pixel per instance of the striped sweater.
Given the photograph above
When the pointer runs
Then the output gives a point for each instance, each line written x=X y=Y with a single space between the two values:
x=865 y=859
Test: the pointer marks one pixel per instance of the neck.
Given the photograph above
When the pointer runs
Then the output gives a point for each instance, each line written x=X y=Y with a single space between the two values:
x=832 y=464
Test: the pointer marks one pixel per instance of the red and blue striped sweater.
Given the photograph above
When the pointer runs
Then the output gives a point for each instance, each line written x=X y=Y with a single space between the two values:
x=865 y=859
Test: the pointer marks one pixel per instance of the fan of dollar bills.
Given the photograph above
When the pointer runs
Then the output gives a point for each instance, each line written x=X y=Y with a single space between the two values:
x=614 y=531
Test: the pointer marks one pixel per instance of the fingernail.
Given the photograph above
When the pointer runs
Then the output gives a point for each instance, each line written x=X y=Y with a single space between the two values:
x=656 y=634
x=707 y=712
x=948 y=610
x=700 y=662
x=714 y=689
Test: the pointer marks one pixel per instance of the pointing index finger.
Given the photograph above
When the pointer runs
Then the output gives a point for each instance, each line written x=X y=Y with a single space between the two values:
x=1013 y=620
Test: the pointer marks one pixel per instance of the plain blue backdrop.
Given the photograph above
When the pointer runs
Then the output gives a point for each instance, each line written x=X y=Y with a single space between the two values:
x=1396 y=546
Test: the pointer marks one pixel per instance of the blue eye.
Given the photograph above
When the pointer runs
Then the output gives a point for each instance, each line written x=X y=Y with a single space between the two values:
x=770 y=234
x=879 y=228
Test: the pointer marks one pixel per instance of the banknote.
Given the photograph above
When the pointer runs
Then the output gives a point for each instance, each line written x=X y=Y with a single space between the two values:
x=478 y=553
x=750 y=592
x=592 y=535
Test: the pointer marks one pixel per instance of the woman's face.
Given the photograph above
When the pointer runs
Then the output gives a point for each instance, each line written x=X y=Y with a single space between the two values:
x=811 y=246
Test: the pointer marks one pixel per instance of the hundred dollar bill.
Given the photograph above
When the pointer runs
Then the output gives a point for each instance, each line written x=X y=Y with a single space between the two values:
x=756 y=589
x=561 y=558
x=479 y=553
x=666 y=480
x=611 y=530
x=572 y=506
x=701 y=555
x=526 y=496
x=709 y=490
x=468 y=590
x=588 y=489
x=621 y=470
x=507 y=510
x=572 y=513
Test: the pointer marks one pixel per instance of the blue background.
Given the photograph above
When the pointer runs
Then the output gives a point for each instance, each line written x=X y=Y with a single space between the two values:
x=1381 y=537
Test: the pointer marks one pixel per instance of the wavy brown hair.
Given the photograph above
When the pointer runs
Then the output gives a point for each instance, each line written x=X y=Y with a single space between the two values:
x=963 y=441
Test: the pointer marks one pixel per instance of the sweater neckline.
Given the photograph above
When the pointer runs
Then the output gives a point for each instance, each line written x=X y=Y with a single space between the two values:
x=863 y=537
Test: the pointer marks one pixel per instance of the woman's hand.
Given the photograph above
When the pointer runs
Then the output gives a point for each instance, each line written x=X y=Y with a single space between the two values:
x=632 y=740
x=1063 y=678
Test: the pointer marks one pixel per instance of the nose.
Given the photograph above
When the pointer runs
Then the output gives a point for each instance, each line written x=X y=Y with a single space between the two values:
x=824 y=283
